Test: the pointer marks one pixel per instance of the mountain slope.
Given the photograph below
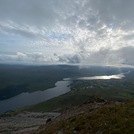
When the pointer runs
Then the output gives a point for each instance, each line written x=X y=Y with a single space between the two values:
x=98 y=117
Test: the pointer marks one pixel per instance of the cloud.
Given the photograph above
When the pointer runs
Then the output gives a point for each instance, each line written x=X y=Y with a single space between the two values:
x=105 y=56
x=76 y=31
x=71 y=59
x=33 y=58
x=117 y=12
x=31 y=12
x=102 y=57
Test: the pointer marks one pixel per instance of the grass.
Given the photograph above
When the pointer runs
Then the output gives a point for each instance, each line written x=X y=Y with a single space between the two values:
x=108 y=119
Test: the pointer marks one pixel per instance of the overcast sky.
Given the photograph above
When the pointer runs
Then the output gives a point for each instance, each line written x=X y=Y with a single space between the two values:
x=67 y=31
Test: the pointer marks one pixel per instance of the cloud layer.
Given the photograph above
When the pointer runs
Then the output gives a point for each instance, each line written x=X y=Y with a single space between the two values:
x=67 y=31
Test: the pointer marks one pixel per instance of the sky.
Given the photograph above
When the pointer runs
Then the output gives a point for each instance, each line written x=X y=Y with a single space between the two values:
x=67 y=31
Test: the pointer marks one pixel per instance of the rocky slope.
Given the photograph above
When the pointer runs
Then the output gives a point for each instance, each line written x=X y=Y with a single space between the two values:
x=24 y=122
x=98 y=117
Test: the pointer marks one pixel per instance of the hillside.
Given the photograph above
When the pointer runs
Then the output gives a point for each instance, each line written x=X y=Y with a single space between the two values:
x=94 y=117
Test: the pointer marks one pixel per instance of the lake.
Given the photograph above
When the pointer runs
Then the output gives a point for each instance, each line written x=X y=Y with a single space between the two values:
x=61 y=87
x=25 y=99
x=104 y=77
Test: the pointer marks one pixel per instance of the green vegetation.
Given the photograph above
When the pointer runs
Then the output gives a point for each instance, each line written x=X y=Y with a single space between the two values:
x=84 y=90
x=106 y=119
x=16 y=79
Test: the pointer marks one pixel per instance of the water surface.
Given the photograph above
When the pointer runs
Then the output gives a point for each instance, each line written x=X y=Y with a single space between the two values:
x=104 y=77
x=25 y=99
